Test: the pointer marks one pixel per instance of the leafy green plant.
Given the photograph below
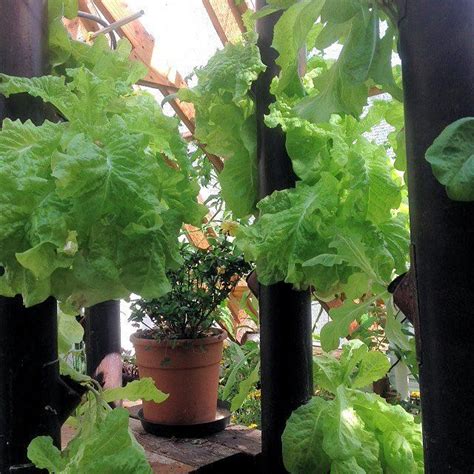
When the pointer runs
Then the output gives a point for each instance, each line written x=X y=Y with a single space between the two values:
x=364 y=60
x=198 y=287
x=451 y=158
x=226 y=122
x=349 y=430
x=343 y=230
x=250 y=412
x=92 y=205
x=91 y=210
x=103 y=442
x=241 y=372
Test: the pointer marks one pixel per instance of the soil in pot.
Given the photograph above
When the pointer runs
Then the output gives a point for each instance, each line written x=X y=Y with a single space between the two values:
x=186 y=369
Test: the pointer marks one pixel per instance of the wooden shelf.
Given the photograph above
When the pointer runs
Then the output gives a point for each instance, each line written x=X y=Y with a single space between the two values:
x=236 y=449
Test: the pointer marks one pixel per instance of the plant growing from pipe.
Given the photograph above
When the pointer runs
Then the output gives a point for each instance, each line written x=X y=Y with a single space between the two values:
x=93 y=203
x=347 y=430
x=343 y=230
x=94 y=421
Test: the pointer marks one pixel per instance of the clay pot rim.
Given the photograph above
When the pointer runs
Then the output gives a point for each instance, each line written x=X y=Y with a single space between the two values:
x=220 y=335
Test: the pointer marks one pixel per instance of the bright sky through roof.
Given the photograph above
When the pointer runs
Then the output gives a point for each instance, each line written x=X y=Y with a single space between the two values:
x=184 y=35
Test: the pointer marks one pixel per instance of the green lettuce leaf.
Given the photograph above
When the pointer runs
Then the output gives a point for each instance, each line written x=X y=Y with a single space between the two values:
x=329 y=436
x=70 y=332
x=381 y=68
x=342 y=89
x=355 y=431
x=92 y=207
x=45 y=455
x=357 y=367
x=452 y=159
x=341 y=318
x=143 y=389
x=288 y=38
x=340 y=11
x=395 y=429
x=303 y=437
x=286 y=228
x=373 y=367
x=347 y=245
x=226 y=122
x=107 y=448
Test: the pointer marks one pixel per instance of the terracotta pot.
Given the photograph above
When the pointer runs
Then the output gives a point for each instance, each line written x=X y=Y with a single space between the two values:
x=188 y=370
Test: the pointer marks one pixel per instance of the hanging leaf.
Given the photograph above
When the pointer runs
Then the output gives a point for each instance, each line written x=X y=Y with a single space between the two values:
x=452 y=159
x=143 y=389
x=342 y=89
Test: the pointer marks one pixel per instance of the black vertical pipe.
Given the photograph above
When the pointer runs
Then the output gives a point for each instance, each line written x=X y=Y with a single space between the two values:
x=23 y=52
x=285 y=314
x=103 y=342
x=437 y=51
x=29 y=368
x=28 y=337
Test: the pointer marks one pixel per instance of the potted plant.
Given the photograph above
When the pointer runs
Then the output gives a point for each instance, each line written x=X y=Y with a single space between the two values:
x=180 y=347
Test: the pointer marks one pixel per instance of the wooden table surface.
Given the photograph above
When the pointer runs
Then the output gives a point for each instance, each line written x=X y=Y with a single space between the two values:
x=233 y=450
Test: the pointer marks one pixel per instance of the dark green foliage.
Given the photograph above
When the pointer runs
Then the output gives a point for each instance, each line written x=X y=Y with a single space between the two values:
x=198 y=287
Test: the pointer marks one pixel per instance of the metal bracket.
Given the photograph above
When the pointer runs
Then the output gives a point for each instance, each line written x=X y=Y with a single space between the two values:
x=117 y=24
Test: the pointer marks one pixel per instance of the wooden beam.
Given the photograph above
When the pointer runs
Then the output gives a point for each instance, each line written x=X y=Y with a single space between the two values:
x=226 y=17
x=142 y=42
x=237 y=12
x=215 y=21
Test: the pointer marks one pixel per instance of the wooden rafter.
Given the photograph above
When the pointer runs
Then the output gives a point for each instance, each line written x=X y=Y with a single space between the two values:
x=226 y=18
x=215 y=21
x=142 y=42
x=238 y=10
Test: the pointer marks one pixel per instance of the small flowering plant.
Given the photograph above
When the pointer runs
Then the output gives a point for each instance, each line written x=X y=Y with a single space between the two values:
x=198 y=288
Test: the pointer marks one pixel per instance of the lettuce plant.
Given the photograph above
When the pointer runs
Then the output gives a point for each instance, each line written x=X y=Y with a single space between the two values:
x=343 y=229
x=350 y=430
x=102 y=441
x=226 y=121
x=92 y=205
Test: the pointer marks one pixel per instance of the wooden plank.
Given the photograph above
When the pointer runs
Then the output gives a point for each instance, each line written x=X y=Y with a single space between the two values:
x=197 y=452
x=182 y=456
x=241 y=438
x=226 y=19
x=237 y=12
x=163 y=465
x=215 y=21
x=196 y=237
x=142 y=42
x=243 y=324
